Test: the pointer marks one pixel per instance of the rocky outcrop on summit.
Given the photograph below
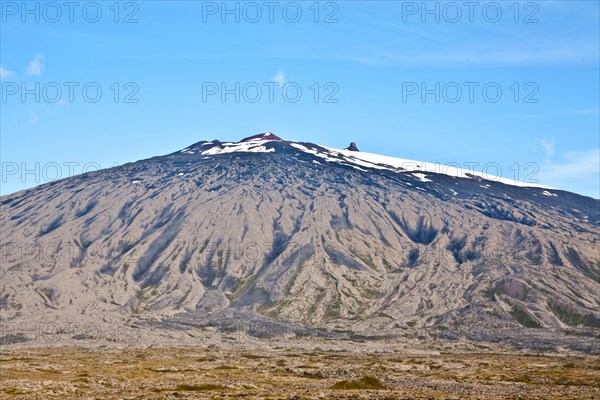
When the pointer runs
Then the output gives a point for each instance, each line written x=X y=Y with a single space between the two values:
x=352 y=147
x=296 y=236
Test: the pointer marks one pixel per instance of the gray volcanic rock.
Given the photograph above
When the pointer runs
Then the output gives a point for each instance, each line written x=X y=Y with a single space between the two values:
x=352 y=147
x=308 y=240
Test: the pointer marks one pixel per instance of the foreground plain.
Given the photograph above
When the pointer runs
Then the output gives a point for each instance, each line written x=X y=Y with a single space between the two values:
x=204 y=373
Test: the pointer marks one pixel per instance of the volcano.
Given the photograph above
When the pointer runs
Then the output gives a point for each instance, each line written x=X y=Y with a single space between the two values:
x=308 y=239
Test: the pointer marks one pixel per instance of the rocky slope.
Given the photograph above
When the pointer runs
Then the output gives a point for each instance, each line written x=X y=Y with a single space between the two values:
x=301 y=238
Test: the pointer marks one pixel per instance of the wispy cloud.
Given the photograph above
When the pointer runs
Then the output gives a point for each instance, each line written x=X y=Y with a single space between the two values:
x=547 y=146
x=279 y=78
x=36 y=65
x=528 y=54
x=576 y=170
x=4 y=73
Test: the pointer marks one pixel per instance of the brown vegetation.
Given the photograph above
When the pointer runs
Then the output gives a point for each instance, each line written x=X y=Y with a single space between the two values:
x=71 y=373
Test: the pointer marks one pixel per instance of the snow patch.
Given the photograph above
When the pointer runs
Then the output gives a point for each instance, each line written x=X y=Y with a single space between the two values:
x=422 y=177
x=250 y=146
x=377 y=161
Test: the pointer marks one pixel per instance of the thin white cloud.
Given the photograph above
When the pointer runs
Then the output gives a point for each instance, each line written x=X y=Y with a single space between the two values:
x=547 y=146
x=576 y=171
x=4 y=73
x=528 y=54
x=536 y=53
x=36 y=65
x=279 y=78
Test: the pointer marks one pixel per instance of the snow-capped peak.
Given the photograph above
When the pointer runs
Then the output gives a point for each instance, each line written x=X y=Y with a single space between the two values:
x=420 y=170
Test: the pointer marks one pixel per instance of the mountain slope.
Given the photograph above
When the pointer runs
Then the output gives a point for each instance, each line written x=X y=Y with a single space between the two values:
x=272 y=230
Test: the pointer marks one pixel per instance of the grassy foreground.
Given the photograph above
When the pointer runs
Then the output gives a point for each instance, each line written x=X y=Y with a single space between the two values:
x=74 y=373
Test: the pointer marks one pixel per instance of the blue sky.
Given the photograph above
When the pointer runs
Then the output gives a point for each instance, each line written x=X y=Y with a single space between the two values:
x=511 y=83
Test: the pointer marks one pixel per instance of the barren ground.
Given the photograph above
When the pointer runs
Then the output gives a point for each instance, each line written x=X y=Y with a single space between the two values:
x=205 y=373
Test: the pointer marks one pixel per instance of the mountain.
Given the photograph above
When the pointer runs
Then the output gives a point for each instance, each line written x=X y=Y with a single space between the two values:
x=303 y=239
